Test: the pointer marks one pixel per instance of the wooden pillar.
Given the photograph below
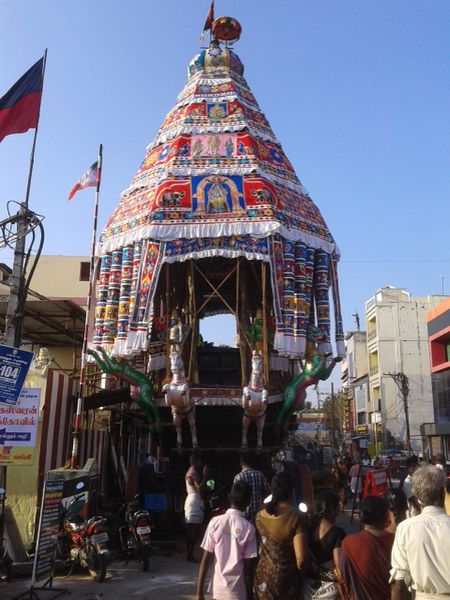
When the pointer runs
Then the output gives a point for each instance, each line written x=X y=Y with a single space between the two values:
x=241 y=293
x=242 y=344
x=168 y=311
x=264 y=325
x=193 y=324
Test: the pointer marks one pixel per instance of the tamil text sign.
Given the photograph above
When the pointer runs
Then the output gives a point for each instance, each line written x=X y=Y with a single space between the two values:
x=49 y=526
x=18 y=428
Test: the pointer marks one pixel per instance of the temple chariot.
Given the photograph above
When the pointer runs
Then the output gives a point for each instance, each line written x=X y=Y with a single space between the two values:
x=216 y=221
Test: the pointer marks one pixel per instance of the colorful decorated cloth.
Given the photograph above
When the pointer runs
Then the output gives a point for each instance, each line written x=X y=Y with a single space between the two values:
x=215 y=182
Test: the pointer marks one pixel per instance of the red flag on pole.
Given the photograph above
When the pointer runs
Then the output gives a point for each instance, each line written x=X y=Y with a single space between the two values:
x=209 y=18
x=19 y=107
x=90 y=179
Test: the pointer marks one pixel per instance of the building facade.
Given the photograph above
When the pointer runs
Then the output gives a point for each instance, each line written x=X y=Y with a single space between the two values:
x=354 y=368
x=398 y=364
x=355 y=384
x=437 y=434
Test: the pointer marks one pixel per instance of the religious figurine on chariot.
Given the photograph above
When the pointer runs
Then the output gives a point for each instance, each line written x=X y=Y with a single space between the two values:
x=254 y=401
x=316 y=366
x=254 y=332
x=177 y=397
x=141 y=388
x=176 y=331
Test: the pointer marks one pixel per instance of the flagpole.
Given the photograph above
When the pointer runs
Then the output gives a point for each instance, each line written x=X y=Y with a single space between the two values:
x=13 y=329
x=77 y=423
x=33 y=148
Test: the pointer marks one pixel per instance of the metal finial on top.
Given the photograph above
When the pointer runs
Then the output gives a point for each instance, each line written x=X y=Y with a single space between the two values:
x=226 y=29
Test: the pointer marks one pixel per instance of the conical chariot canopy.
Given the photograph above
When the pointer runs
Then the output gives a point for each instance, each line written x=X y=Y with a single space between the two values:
x=215 y=182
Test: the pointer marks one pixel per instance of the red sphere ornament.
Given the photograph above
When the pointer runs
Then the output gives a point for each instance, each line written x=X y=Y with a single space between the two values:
x=226 y=29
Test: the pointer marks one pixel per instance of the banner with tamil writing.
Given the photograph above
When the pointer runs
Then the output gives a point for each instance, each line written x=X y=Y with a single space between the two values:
x=18 y=428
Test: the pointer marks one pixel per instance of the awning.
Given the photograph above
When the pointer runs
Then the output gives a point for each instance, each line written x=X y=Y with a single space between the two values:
x=49 y=322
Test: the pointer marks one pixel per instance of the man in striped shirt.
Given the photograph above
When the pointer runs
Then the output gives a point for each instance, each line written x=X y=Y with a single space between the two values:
x=258 y=483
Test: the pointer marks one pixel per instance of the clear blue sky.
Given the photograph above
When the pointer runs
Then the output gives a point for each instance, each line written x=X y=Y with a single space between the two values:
x=357 y=91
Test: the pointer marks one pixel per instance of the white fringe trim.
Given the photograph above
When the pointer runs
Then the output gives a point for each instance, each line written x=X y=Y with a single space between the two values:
x=241 y=87
x=175 y=231
x=137 y=341
x=120 y=347
x=170 y=133
x=293 y=347
x=212 y=252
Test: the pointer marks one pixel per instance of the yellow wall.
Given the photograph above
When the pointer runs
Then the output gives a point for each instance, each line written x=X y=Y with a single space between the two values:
x=21 y=491
x=21 y=482
x=59 y=277
x=55 y=277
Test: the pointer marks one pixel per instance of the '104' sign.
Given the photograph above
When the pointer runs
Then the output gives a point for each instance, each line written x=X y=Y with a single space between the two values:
x=14 y=365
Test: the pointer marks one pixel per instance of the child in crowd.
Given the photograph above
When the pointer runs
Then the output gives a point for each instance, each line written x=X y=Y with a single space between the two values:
x=231 y=540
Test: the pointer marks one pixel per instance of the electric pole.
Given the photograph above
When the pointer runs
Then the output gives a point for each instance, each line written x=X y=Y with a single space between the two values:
x=333 y=424
x=402 y=382
x=25 y=222
x=14 y=317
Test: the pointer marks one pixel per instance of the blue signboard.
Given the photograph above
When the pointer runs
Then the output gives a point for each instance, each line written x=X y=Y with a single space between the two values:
x=310 y=426
x=14 y=365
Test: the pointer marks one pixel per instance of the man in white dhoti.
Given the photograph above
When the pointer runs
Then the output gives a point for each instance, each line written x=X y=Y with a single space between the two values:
x=421 y=551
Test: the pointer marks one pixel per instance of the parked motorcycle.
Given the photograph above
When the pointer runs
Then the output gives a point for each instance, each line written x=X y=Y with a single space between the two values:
x=83 y=542
x=135 y=534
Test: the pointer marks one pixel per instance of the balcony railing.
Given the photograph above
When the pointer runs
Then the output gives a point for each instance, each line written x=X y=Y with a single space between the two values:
x=371 y=335
x=373 y=370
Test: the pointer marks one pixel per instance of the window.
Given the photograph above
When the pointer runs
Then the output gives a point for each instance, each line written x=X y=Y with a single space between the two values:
x=362 y=418
x=85 y=270
x=350 y=365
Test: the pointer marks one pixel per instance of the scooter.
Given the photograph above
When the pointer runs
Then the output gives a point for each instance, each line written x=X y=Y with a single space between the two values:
x=135 y=534
x=82 y=542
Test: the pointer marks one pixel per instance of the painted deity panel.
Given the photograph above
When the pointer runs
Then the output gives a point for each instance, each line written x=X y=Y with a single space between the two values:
x=217 y=194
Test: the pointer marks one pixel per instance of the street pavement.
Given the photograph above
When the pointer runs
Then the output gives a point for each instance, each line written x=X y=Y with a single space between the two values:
x=169 y=578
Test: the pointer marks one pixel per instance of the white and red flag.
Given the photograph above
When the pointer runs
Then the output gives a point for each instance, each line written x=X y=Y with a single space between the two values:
x=90 y=179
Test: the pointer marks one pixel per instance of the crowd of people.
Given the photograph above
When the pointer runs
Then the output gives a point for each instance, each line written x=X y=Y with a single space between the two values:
x=265 y=548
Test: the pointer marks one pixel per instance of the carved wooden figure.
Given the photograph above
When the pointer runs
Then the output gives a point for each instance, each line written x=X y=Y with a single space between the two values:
x=254 y=401
x=178 y=398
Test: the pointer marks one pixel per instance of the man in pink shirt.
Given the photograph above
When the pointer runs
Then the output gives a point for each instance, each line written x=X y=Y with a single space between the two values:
x=231 y=540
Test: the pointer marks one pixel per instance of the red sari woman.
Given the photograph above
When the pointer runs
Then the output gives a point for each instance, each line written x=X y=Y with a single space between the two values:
x=366 y=556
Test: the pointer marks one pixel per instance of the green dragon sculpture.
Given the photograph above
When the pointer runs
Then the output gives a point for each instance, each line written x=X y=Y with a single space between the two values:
x=314 y=368
x=141 y=388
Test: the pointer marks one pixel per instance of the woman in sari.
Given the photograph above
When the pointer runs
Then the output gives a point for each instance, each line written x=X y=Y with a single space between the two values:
x=325 y=538
x=366 y=556
x=283 y=544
